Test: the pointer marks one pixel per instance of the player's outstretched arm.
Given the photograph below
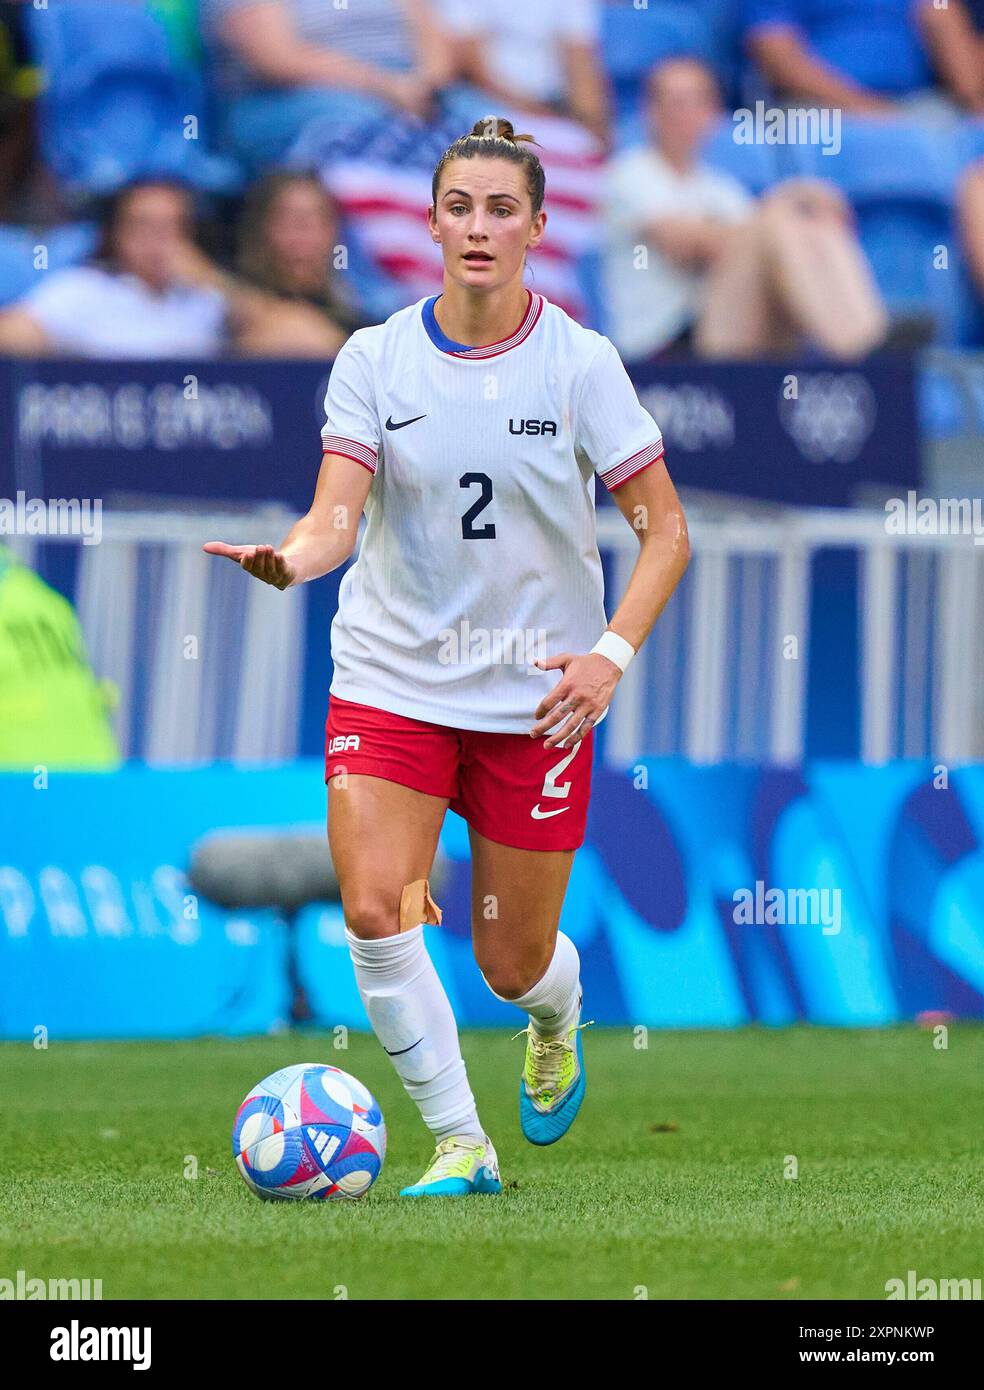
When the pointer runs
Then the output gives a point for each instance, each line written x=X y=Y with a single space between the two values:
x=324 y=537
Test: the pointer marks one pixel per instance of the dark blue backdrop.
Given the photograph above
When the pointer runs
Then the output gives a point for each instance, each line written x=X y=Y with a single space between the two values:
x=239 y=431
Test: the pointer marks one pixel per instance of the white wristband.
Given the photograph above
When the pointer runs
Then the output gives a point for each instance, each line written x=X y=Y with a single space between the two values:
x=615 y=648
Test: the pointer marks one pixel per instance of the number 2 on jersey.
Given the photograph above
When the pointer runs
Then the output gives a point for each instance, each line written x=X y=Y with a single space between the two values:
x=469 y=531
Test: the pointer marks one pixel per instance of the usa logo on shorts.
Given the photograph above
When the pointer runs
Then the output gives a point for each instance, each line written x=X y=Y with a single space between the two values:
x=343 y=743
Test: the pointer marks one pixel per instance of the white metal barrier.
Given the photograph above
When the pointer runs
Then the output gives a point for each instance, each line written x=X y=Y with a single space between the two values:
x=720 y=677
x=211 y=667
x=207 y=664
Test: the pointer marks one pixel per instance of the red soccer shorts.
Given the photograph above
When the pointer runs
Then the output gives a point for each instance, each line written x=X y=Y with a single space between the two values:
x=508 y=787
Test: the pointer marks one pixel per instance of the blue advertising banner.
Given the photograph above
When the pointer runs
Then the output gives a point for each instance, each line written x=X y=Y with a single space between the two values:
x=232 y=432
x=237 y=432
x=801 y=433
x=703 y=897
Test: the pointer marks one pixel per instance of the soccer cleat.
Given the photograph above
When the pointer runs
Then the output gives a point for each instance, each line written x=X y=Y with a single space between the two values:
x=462 y=1164
x=552 y=1085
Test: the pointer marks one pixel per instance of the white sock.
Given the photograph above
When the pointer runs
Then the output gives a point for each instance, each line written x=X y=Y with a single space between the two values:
x=553 y=1003
x=411 y=1016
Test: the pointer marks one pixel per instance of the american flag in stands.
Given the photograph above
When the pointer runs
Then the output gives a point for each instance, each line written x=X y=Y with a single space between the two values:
x=380 y=176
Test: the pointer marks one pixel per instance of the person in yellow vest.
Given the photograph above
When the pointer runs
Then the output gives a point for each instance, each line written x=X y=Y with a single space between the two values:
x=53 y=710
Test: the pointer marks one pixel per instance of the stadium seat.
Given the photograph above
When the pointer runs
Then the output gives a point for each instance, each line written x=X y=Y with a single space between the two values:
x=635 y=40
x=17 y=273
x=67 y=245
x=942 y=405
x=970 y=142
x=722 y=20
x=902 y=242
x=70 y=243
x=882 y=161
x=218 y=173
x=970 y=326
x=968 y=309
x=974 y=376
x=115 y=104
x=753 y=165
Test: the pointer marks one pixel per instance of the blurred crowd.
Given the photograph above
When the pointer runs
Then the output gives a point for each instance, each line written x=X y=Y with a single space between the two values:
x=179 y=268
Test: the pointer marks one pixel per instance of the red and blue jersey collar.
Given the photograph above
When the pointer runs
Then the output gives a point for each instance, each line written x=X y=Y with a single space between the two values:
x=534 y=308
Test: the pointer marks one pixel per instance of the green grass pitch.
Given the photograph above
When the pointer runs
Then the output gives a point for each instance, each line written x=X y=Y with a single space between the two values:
x=670 y=1183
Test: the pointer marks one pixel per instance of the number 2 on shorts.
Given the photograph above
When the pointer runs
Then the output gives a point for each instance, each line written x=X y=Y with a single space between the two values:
x=550 y=787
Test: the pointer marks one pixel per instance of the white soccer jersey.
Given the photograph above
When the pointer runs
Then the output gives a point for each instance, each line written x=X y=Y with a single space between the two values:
x=480 y=553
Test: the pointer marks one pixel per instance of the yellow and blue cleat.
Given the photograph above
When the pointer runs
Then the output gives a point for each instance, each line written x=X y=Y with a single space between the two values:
x=462 y=1164
x=552 y=1086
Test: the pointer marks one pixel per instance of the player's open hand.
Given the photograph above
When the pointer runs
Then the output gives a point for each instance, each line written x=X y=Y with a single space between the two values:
x=261 y=561
x=577 y=701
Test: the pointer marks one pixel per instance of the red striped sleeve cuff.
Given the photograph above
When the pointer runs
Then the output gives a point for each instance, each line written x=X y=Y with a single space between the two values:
x=635 y=463
x=351 y=449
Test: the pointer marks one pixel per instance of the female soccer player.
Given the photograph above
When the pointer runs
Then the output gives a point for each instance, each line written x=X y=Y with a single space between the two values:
x=471 y=651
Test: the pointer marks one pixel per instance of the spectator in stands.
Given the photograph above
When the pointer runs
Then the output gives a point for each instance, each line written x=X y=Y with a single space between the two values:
x=285 y=299
x=693 y=262
x=128 y=301
x=865 y=57
x=150 y=292
x=542 y=56
x=288 y=234
x=280 y=64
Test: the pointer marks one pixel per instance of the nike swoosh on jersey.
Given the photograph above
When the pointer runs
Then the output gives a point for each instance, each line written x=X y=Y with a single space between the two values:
x=537 y=814
x=390 y=425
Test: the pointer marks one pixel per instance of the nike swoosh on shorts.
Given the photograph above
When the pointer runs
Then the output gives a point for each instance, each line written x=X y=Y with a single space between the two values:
x=537 y=814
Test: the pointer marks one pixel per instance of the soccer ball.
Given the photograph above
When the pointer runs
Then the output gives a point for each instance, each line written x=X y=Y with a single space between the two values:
x=309 y=1131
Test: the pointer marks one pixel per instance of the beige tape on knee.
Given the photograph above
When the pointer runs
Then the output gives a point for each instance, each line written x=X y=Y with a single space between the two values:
x=417 y=905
